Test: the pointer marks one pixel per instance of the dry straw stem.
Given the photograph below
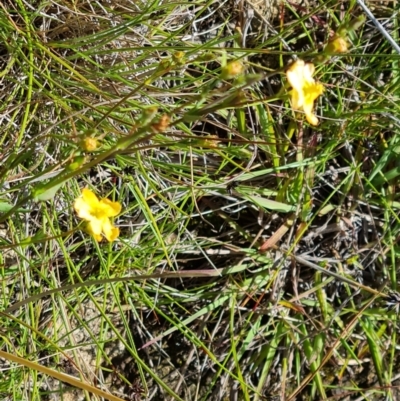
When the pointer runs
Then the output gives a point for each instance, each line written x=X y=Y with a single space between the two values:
x=62 y=377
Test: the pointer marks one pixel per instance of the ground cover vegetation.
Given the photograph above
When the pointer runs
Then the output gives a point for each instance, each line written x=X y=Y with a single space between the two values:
x=198 y=200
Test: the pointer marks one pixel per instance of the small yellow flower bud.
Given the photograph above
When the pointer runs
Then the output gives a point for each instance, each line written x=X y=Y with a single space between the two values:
x=210 y=141
x=337 y=45
x=162 y=124
x=89 y=144
x=231 y=70
x=178 y=57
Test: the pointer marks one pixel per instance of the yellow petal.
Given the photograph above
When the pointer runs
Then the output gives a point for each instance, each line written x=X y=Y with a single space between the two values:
x=90 y=198
x=311 y=95
x=295 y=75
x=308 y=72
x=299 y=75
x=94 y=228
x=82 y=209
x=313 y=91
x=297 y=100
x=312 y=118
x=108 y=208
x=110 y=232
x=98 y=238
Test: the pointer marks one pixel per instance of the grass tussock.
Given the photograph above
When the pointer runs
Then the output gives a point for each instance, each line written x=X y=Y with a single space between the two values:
x=241 y=236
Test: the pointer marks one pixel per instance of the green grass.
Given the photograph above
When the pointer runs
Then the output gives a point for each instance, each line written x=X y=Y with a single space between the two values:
x=256 y=252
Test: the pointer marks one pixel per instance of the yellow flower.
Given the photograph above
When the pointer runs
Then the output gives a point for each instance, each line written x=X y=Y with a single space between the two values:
x=97 y=213
x=305 y=89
